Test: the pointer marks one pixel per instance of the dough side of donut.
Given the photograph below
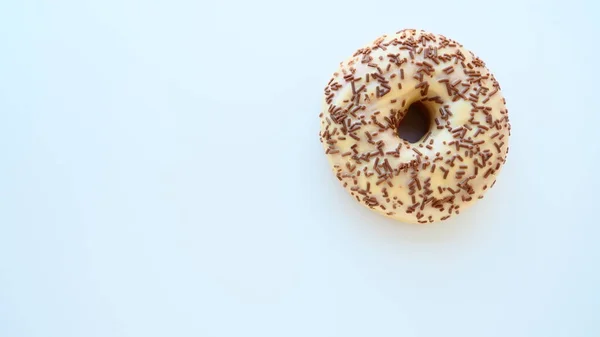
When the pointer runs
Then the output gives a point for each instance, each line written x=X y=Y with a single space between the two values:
x=450 y=167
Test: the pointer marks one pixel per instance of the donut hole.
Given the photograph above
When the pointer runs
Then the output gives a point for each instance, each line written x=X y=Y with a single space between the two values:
x=415 y=124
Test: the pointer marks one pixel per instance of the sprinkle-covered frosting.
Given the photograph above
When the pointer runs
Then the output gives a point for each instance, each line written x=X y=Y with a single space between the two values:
x=453 y=164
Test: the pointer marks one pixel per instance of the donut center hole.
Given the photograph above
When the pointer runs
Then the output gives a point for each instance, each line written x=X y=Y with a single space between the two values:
x=415 y=124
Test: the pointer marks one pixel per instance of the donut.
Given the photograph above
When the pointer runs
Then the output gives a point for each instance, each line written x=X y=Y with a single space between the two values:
x=415 y=126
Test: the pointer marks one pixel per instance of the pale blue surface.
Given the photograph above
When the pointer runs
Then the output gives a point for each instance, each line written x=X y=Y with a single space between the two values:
x=161 y=175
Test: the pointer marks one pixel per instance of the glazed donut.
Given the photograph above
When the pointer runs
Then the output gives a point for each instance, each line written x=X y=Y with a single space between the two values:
x=459 y=154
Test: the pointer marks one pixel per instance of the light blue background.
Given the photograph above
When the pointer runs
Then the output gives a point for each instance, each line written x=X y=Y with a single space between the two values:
x=161 y=175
